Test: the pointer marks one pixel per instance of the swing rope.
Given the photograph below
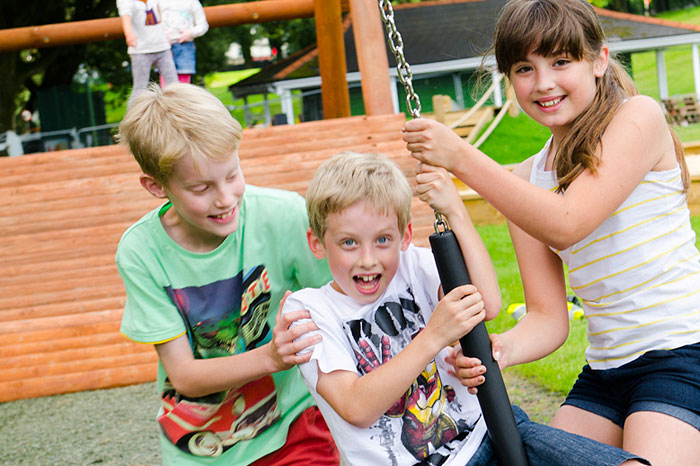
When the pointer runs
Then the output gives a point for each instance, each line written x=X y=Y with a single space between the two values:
x=492 y=394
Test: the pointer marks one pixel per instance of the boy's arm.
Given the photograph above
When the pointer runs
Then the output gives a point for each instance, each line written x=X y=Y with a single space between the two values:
x=198 y=377
x=435 y=186
x=362 y=400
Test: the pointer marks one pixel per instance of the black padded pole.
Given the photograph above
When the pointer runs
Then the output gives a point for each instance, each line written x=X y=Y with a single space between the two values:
x=492 y=395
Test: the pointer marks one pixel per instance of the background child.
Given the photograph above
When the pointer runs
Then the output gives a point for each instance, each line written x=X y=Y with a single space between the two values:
x=144 y=33
x=204 y=276
x=184 y=21
x=380 y=374
x=607 y=197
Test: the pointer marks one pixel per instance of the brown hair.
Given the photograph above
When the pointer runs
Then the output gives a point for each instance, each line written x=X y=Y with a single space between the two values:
x=547 y=27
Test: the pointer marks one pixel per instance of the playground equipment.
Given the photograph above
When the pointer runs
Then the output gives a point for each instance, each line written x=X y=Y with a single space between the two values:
x=492 y=394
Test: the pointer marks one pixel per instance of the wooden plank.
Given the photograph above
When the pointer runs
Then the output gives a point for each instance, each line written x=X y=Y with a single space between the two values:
x=46 y=367
x=79 y=381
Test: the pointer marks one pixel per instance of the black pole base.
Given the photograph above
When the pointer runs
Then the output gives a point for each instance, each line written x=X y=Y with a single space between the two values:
x=492 y=394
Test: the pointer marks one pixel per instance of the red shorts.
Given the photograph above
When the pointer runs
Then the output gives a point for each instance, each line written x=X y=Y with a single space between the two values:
x=308 y=442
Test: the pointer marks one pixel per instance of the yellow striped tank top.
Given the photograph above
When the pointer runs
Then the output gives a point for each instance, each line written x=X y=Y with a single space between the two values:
x=638 y=273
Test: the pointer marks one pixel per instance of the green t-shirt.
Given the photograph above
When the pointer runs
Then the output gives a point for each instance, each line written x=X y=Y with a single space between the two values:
x=226 y=301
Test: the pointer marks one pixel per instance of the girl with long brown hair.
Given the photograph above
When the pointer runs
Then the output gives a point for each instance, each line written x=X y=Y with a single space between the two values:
x=607 y=196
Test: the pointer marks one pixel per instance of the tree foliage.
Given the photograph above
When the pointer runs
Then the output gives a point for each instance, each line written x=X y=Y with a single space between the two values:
x=25 y=73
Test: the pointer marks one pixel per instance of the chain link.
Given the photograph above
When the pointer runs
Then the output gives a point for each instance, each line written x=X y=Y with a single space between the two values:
x=402 y=68
x=405 y=76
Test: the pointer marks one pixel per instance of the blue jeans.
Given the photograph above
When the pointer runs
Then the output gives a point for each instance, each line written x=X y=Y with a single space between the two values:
x=547 y=446
x=185 y=57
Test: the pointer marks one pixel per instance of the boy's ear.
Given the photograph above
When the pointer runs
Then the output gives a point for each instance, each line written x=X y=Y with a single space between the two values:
x=601 y=62
x=315 y=244
x=152 y=186
x=407 y=237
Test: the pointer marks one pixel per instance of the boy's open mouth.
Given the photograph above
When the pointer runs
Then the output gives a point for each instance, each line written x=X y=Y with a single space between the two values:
x=367 y=284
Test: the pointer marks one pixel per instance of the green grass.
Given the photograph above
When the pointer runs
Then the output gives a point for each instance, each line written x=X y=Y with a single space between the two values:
x=515 y=139
x=558 y=371
x=685 y=15
x=218 y=83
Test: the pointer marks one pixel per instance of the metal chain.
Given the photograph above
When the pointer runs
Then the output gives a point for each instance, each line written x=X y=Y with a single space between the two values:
x=402 y=68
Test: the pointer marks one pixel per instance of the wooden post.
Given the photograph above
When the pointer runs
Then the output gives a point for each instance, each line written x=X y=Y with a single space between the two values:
x=371 y=57
x=331 y=59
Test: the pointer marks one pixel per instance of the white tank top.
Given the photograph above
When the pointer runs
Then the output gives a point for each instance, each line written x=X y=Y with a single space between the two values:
x=638 y=273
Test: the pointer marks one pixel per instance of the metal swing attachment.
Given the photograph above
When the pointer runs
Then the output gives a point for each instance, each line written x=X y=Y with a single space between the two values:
x=492 y=394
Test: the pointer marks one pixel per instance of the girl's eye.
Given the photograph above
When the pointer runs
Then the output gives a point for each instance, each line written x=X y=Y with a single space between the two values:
x=561 y=62
x=522 y=69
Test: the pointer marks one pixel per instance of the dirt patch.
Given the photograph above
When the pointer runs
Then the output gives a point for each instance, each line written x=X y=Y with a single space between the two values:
x=118 y=427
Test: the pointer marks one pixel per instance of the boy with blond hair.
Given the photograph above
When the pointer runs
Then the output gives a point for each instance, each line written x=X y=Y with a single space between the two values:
x=204 y=275
x=382 y=373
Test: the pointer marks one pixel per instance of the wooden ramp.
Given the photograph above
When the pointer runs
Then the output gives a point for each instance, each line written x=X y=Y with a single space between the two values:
x=468 y=127
x=61 y=217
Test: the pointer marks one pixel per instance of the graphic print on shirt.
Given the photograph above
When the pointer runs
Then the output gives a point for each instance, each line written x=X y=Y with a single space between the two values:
x=151 y=17
x=223 y=318
x=423 y=409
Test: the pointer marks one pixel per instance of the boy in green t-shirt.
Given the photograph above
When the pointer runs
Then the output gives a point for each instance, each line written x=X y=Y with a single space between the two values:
x=204 y=276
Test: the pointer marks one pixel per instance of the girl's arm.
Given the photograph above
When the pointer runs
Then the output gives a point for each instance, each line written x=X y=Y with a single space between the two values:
x=201 y=26
x=435 y=186
x=636 y=141
x=362 y=400
x=198 y=377
x=545 y=326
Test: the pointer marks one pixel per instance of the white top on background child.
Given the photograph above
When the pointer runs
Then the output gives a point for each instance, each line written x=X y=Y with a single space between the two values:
x=146 y=24
x=184 y=20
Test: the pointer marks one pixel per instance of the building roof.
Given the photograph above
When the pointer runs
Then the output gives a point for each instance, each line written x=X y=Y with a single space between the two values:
x=443 y=33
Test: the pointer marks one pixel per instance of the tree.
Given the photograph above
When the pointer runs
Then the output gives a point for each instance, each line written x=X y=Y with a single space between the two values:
x=24 y=72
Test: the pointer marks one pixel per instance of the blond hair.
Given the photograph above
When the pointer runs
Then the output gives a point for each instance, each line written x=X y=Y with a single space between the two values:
x=548 y=27
x=163 y=125
x=349 y=177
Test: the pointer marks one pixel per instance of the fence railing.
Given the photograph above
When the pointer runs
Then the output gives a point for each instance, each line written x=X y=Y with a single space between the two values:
x=48 y=141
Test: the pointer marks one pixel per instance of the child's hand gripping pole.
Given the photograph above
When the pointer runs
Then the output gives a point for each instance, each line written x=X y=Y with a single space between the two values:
x=492 y=395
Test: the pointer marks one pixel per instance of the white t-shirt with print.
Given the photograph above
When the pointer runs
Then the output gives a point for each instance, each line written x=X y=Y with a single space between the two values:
x=436 y=415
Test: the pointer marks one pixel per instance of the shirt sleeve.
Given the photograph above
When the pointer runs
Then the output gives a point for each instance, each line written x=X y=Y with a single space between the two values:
x=333 y=352
x=201 y=26
x=124 y=7
x=149 y=314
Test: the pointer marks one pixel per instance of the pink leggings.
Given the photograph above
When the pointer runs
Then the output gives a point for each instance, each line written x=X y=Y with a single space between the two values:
x=184 y=78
